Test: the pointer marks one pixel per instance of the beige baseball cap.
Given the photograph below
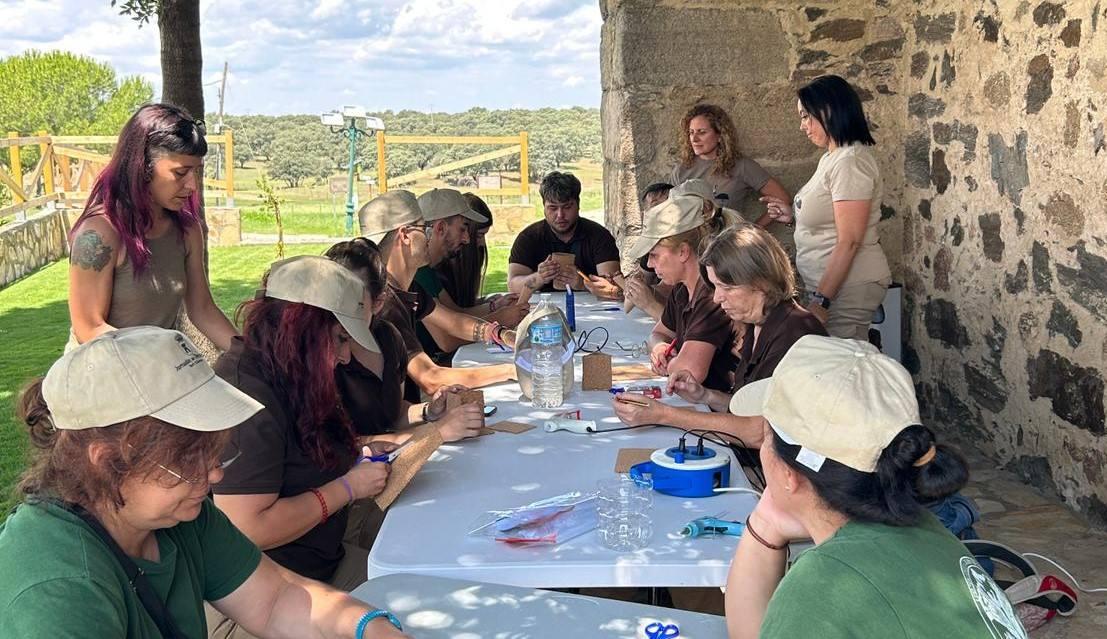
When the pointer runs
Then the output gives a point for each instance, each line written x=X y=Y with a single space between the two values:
x=696 y=187
x=323 y=283
x=439 y=204
x=838 y=399
x=134 y=372
x=387 y=212
x=671 y=217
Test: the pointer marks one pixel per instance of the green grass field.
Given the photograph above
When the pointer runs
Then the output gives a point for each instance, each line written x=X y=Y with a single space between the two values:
x=34 y=326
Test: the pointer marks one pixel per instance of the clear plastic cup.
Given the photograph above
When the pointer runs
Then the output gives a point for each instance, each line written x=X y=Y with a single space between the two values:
x=625 y=510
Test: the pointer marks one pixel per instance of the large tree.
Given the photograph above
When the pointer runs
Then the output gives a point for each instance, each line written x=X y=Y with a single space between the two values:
x=182 y=61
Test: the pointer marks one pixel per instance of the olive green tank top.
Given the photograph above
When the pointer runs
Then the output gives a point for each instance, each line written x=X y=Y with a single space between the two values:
x=153 y=298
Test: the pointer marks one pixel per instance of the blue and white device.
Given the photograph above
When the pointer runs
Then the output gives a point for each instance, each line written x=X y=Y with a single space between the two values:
x=685 y=473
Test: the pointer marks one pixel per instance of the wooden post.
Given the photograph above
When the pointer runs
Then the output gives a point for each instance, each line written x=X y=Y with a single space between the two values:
x=228 y=159
x=66 y=172
x=524 y=169
x=382 y=171
x=47 y=150
x=17 y=170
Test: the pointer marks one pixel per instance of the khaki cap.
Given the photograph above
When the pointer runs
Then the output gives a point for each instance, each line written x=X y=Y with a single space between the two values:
x=389 y=211
x=838 y=399
x=440 y=204
x=697 y=187
x=322 y=283
x=137 y=372
x=674 y=216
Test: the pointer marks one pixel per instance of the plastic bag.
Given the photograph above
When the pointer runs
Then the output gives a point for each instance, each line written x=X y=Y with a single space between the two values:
x=548 y=521
x=523 y=363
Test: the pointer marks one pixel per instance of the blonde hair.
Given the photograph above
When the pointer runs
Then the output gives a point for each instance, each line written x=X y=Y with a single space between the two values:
x=694 y=239
x=749 y=256
x=728 y=154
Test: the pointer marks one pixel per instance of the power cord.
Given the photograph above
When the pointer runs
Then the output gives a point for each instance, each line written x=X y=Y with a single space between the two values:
x=585 y=336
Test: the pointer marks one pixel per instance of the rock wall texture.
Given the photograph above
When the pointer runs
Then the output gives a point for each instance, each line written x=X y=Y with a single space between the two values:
x=28 y=245
x=990 y=121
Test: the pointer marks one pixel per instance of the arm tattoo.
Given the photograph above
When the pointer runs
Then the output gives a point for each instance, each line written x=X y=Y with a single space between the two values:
x=478 y=330
x=90 y=252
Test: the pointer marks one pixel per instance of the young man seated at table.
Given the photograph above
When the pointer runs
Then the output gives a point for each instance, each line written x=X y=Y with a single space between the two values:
x=395 y=221
x=532 y=264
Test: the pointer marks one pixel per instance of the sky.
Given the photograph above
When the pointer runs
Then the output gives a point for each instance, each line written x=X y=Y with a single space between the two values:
x=311 y=56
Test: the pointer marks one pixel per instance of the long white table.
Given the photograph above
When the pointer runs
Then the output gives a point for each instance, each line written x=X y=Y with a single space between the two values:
x=426 y=529
x=438 y=608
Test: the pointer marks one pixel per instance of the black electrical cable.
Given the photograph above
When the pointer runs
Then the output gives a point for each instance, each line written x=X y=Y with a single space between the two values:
x=584 y=336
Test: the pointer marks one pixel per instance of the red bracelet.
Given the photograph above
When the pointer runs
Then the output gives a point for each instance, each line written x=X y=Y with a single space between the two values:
x=323 y=504
x=762 y=539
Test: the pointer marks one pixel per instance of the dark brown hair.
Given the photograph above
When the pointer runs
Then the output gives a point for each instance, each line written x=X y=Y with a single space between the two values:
x=362 y=254
x=728 y=154
x=462 y=276
x=62 y=468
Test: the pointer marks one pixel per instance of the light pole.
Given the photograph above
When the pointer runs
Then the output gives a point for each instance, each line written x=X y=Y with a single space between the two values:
x=345 y=122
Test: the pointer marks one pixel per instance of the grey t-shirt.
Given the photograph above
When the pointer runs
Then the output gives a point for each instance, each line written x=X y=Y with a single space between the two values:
x=847 y=173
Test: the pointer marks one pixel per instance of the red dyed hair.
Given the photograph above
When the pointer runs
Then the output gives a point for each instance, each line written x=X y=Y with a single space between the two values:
x=122 y=192
x=296 y=348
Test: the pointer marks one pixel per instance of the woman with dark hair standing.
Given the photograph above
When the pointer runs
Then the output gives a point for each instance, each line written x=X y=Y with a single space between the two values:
x=848 y=466
x=372 y=384
x=137 y=250
x=301 y=462
x=116 y=536
x=836 y=213
x=709 y=151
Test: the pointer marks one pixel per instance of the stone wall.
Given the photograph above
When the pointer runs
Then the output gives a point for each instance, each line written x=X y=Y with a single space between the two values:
x=31 y=244
x=989 y=119
x=224 y=225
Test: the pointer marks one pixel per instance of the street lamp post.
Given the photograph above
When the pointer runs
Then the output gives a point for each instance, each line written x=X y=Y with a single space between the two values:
x=346 y=123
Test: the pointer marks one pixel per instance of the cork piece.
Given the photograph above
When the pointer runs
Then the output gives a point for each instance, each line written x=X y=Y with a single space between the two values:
x=632 y=372
x=511 y=427
x=453 y=400
x=597 y=372
x=404 y=468
x=568 y=262
x=630 y=456
x=471 y=397
x=484 y=430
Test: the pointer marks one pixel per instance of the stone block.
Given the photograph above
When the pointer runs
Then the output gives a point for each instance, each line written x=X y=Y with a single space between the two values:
x=943 y=324
x=997 y=89
x=991 y=237
x=916 y=159
x=920 y=61
x=937 y=28
x=224 y=225
x=1075 y=392
x=939 y=172
x=1009 y=165
x=1040 y=87
x=1062 y=322
x=1070 y=36
x=1063 y=212
x=1087 y=283
x=839 y=30
x=988 y=26
x=1039 y=260
x=1048 y=13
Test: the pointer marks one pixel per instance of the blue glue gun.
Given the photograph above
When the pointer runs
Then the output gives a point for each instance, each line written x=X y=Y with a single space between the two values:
x=712 y=526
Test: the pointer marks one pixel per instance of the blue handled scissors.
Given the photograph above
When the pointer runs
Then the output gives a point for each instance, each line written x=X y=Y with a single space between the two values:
x=658 y=630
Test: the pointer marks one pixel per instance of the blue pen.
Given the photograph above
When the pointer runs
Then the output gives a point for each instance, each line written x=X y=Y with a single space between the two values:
x=374 y=458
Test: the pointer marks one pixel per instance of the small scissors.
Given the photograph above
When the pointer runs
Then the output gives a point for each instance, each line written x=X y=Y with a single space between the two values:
x=658 y=630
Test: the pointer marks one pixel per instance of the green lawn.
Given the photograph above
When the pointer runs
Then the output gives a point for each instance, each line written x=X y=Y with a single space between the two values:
x=34 y=326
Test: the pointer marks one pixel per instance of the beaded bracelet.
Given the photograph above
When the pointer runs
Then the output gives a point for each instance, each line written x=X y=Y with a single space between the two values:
x=359 y=633
x=323 y=504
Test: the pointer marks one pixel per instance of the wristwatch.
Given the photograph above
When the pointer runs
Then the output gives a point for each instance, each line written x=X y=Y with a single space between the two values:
x=820 y=299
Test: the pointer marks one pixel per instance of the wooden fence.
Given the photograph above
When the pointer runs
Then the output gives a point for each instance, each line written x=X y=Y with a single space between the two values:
x=66 y=169
x=516 y=144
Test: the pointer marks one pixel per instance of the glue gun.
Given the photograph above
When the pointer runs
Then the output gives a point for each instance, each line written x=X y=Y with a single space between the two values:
x=712 y=526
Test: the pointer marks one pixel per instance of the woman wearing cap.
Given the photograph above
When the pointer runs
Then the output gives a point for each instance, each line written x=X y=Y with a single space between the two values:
x=709 y=151
x=847 y=465
x=300 y=467
x=693 y=333
x=137 y=250
x=372 y=384
x=755 y=286
x=838 y=251
x=129 y=432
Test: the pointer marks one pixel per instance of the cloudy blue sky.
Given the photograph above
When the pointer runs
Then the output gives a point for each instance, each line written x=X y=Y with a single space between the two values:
x=309 y=56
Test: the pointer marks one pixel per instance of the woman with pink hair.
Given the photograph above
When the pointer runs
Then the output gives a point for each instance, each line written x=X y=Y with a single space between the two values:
x=137 y=250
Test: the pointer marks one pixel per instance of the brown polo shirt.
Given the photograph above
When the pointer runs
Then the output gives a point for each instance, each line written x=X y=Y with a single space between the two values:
x=784 y=325
x=696 y=318
x=403 y=309
x=591 y=243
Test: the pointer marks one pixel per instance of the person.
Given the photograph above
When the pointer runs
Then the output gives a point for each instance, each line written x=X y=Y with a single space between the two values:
x=720 y=215
x=655 y=194
x=395 y=221
x=300 y=465
x=137 y=250
x=836 y=213
x=532 y=265
x=847 y=463
x=709 y=151
x=755 y=286
x=371 y=384
x=693 y=333
x=643 y=289
x=450 y=326
x=128 y=432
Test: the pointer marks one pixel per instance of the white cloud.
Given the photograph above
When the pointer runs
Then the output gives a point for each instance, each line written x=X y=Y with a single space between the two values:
x=327 y=9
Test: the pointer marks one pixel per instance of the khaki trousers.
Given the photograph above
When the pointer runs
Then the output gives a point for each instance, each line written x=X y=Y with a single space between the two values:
x=851 y=312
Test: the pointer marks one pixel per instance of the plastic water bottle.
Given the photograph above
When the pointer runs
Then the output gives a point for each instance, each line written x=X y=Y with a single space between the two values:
x=571 y=308
x=547 y=351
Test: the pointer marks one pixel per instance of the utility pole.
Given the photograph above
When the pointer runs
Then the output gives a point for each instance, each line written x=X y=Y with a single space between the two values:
x=219 y=124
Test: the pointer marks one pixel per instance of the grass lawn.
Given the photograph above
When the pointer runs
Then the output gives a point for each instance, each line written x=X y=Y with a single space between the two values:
x=34 y=326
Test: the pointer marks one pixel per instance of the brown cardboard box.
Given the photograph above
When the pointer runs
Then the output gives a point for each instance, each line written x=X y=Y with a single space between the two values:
x=597 y=372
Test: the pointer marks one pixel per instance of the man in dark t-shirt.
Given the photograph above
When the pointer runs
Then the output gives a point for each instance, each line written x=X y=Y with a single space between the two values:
x=532 y=264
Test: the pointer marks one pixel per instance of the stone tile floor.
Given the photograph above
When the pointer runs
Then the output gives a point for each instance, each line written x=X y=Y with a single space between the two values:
x=1014 y=514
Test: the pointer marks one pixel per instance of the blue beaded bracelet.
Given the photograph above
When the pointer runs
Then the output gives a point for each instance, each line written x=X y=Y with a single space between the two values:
x=371 y=615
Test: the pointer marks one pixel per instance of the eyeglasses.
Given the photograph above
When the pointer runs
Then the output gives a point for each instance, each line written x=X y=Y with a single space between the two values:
x=230 y=454
x=201 y=126
x=632 y=349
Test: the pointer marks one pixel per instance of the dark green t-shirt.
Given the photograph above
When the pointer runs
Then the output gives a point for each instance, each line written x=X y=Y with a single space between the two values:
x=873 y=580
x=428 y=279
x=58 y=580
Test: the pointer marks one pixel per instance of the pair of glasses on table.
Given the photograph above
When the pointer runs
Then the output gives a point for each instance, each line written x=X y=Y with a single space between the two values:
x=633 y=349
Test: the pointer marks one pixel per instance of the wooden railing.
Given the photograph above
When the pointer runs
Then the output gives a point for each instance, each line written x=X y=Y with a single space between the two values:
x=516 y=144
x=66 y=169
